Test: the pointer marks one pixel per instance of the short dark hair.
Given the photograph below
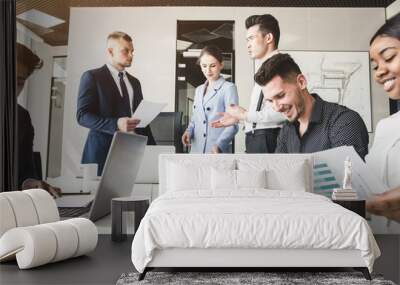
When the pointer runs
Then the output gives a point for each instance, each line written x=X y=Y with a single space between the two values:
x=390 y=29
x=27 y=58
x=213 y=51
x=280 y=64
x=267 y=24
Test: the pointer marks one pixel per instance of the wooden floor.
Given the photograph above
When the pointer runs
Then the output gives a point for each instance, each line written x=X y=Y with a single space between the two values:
x=103 y=266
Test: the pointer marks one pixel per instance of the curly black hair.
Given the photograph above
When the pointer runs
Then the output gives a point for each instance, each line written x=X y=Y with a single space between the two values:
x=27 y=58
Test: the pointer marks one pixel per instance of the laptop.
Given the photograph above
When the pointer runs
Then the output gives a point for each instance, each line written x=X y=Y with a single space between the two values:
x=148 y=170
x=119 y=175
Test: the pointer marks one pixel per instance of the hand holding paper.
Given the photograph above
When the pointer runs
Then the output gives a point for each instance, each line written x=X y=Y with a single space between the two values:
x=386 y=204
x=127 y=124
x=146 y=112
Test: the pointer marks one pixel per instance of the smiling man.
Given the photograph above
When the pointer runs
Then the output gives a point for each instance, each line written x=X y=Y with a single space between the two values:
x=313 y=124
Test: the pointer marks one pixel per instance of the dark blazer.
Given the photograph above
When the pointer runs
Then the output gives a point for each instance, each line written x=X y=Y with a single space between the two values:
x=100 y=105
x=26 y=165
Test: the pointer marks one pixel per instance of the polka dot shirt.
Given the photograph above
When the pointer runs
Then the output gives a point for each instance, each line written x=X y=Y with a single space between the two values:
x=331 y=125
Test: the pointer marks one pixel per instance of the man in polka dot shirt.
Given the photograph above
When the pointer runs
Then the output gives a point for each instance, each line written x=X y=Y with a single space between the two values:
x=313 y=124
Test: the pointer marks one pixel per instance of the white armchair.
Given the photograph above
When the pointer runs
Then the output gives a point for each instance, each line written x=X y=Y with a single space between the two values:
x=31 y=231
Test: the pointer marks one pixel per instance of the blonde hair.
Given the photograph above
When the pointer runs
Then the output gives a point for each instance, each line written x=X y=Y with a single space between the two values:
x=119 y=35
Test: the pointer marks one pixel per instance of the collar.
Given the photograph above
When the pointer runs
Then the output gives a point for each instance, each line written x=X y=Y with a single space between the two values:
x=316 y=113
x=218 y=84
x=271 y=54
x=114 y=71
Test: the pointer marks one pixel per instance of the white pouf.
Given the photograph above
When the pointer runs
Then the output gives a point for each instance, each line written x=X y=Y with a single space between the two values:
x=31 y=233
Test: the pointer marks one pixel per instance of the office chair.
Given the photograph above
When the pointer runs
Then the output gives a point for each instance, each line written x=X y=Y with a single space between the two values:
x=166 y=129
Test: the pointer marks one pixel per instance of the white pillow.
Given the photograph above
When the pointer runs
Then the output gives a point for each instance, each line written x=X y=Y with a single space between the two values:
x=283 y=173
x=223 y=179
x=187 y=174
x=292 y=179
x=251 y=178
x=226 y=179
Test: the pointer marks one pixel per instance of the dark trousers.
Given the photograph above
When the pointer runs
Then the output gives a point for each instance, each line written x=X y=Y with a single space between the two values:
x=262 y=140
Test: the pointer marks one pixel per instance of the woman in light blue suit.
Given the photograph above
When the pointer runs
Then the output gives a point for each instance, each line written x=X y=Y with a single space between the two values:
x=211 y=98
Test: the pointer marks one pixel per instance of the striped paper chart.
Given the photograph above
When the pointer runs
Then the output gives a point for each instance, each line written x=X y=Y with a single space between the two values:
x=324 y=180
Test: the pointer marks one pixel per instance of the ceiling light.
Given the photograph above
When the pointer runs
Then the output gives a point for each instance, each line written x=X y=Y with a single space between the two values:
x=39 y=18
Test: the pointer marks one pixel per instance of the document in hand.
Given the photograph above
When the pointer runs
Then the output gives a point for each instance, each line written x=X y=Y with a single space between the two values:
x=364 y=181
x=147 y=111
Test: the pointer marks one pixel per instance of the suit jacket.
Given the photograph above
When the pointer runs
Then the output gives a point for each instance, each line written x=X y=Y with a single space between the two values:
x=206 y=109
x=100 y=105
x=26 y=165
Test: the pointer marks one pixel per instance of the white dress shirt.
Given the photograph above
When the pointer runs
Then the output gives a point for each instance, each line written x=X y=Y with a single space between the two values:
x=114 y=73
x=266 y=118
x=384 y=155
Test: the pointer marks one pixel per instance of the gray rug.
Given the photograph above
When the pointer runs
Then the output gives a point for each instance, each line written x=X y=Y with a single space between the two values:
x=243 y=278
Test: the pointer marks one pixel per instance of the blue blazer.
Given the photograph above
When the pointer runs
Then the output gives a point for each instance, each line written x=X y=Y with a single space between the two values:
x=205 y=110
x=100 y=105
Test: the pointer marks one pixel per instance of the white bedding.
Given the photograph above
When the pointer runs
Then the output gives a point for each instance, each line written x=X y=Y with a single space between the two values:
x=252 y=218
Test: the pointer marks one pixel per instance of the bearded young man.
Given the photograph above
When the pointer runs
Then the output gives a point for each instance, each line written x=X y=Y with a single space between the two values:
x=313 y=124
x=108 y=96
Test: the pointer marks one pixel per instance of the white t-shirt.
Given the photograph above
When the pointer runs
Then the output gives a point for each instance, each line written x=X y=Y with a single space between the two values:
x=384 y=155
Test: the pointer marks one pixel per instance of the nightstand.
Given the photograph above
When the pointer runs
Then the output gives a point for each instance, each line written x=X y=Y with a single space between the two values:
x=357 y=206
x=139 y=205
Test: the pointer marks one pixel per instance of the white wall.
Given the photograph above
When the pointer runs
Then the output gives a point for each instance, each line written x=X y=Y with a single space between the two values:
x=154 y=33
x=393 y=9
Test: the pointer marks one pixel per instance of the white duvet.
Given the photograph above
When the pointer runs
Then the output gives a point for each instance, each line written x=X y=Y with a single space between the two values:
x=250 y=219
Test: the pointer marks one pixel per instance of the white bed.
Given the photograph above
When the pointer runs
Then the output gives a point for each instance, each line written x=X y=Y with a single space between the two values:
x=205 y=221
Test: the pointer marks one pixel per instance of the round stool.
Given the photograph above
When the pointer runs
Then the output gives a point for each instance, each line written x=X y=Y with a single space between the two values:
x=139 y=205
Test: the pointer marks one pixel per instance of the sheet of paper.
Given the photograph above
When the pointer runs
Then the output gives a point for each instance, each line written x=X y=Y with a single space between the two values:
x=364 y=181
x=147 y=111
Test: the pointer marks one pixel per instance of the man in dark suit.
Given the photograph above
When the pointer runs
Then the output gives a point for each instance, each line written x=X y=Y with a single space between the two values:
x=108 y=96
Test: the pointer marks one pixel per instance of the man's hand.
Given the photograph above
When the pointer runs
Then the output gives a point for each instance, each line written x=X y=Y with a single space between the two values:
x=127 y=124
x=237 y=112
x=215 y=149
x=225 y=121
x=31 y=183
x=186 y=139
x=386 y=204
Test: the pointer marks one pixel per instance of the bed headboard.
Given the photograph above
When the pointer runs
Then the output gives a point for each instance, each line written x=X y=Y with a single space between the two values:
x=212 y=159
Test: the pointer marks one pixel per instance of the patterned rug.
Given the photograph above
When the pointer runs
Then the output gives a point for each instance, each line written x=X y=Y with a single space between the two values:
x=243 y=278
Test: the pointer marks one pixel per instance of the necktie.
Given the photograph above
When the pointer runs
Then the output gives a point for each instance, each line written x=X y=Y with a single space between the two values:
x=124 y=90
x=259 y=104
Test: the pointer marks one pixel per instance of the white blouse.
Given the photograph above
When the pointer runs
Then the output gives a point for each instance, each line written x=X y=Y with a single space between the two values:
x=384 y=155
